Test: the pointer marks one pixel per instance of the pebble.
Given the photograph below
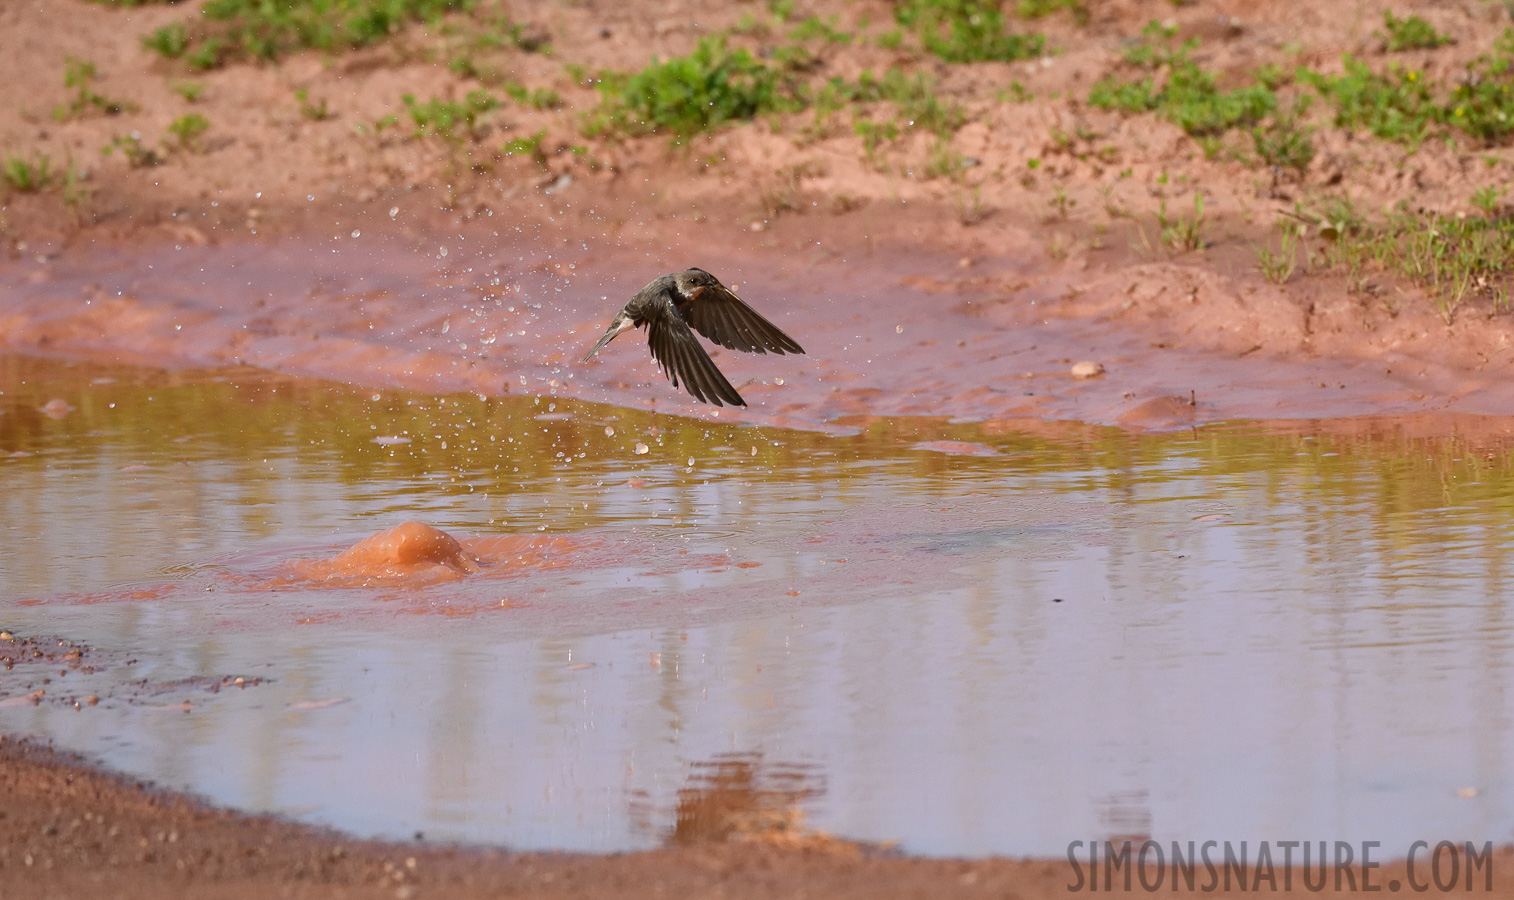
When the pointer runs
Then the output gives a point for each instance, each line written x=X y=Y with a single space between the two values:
x=1087 y=369
x=640 y=448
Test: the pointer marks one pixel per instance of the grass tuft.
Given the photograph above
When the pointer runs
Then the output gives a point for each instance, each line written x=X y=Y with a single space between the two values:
x=1190 y=97
x=686 y=95
x=962 y=31
x=1411 y=33
x=27 y=175
x=229 y=30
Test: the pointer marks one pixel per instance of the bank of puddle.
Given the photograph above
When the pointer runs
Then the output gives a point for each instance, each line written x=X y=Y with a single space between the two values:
x=553 y=624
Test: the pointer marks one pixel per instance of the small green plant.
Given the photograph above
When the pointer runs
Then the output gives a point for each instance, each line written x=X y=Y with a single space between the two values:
x=962 y=31
x=944 y=160
x=27 y=175
x=1015 y=93
x=75 y=194
x=1279 y=267
x=814 y=28
x=138 y=155
x=874 y=135
x=191 y=91
x=1184 y=232
x=891 y=39
x=527 y=146
x=1284 y=142
x=1190 y=97
x=80 y=74
x=1036 y=9
x=444 y=118
x=685 y=95
x=1454 y=258
x=1411 y=33
x=1061 y=202
x=541 y=98
x=1487 y=198
x=971 y=209
x=1396 y=106
x=170 y=41
x=188 y=129
x=315 y=112
x=265 y=29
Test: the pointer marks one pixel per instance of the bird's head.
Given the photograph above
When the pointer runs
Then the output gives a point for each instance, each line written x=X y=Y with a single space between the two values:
x=690 y=281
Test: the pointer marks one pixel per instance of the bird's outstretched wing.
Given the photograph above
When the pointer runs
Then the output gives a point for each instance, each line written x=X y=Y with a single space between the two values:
x=722 y=317
x=678 y=352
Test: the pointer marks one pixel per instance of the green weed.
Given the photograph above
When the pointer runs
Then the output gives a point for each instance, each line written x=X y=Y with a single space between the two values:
x=814 y=28
x=541 y=98
x=1015 y=93
x=1396 y=106
x=1036 y=9
x=874 y=135
x=1183 y=232
x=1487 y=198
x=1453 y=258
x=1482 y=104
x=266 y=29
x=27 y=175
x=685 y=95
x=527 y=146
x=1061 y=202
x=170 y=41
x=1279 y=267
x=944 y=160
x=315 y=112
x=138 y=155
x=971 y=209
x=1284 y=142
x=1190 y=97
x=1412 y=33
x=80 y=74
x=188 y=129
x=189 y=90
x=444 y=118
x=966 y=31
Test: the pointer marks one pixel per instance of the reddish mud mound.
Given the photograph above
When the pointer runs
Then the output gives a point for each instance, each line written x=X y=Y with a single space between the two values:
x=414 y=554
x=411 y=551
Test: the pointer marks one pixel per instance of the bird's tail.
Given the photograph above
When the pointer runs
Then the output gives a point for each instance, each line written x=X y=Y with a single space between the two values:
x=621 y=323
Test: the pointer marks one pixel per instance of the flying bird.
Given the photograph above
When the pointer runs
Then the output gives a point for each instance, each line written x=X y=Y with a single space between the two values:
x=693 y=298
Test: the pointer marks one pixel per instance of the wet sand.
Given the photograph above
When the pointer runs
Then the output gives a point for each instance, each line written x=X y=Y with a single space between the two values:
x=890 y=333
x=71 y=830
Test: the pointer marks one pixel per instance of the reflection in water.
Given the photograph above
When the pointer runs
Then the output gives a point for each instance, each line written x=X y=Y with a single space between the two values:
x=735 y=796
x=1219 y=634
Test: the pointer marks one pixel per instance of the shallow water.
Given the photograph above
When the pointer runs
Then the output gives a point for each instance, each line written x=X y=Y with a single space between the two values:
x=969 y=639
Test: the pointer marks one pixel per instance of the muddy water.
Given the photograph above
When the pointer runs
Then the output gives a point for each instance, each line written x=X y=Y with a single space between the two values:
x=969 y=639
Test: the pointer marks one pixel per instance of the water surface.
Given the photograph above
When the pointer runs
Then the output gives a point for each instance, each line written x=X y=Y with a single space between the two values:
x=967 y=638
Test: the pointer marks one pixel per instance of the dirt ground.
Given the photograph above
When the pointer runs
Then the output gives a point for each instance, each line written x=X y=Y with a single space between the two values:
x=1067 y=192
x=68 y=830
x=1073 y=189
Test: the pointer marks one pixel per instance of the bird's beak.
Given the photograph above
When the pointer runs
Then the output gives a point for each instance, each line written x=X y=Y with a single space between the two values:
x=621 y=323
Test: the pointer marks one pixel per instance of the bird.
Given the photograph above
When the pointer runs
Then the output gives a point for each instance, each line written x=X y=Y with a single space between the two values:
x=671 y=305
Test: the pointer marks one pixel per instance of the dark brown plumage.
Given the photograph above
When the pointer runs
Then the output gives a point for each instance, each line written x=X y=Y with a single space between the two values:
x=673 y=304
